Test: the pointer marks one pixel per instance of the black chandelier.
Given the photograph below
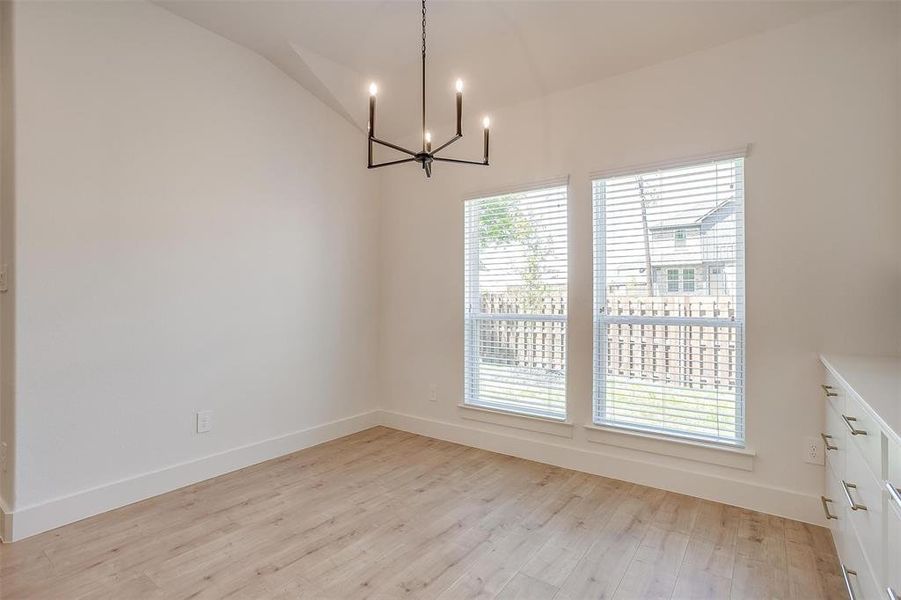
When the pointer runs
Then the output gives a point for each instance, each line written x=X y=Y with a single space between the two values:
x=426 y=156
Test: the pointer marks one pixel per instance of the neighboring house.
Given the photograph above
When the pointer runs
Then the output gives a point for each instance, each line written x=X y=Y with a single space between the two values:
x=694 y=254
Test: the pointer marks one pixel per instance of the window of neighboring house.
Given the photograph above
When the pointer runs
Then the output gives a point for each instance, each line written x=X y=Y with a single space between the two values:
x=515 y=271
x=672 y=281
x=679 y=237
x=716 y=281
x=680 y=280
x=670 y=362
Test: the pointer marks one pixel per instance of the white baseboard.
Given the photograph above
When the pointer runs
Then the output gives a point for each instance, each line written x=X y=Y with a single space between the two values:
x=30 y=520
x=5 y=522
x=766 y=499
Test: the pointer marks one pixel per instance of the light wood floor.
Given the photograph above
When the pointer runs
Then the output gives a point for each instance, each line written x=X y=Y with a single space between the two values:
x=387 y=514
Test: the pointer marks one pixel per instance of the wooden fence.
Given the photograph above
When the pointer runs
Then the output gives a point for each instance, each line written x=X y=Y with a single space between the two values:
x=520 y=343
x=692 y=356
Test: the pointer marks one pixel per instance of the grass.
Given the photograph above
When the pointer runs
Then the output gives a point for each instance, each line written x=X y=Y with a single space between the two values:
x=709 y=412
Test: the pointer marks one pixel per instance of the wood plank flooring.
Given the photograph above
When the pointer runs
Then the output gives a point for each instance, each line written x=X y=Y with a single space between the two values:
x=387 y=514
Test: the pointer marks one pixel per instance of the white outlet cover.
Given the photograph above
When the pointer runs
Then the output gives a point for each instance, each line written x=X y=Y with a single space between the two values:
x=814 y=451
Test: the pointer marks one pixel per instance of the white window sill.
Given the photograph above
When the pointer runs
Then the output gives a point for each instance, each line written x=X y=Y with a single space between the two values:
x=559 y=428
x=736 y=458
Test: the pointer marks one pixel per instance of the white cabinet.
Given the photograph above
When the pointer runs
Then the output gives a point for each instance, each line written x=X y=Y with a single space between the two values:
x=862 y=494
x=893 y=521
x=893 y=553
x=835 y=440
x=863 y=458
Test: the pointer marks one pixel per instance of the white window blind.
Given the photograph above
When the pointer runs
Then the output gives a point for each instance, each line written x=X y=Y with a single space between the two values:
x=669 y=301
x=515 y=302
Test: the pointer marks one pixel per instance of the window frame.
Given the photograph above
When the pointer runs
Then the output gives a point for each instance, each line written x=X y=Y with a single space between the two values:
x=470 y=321
x=672 y=281
x=599 y=335
x=693 y=280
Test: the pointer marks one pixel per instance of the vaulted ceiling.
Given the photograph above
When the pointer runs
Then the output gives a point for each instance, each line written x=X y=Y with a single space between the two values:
x=505 y=51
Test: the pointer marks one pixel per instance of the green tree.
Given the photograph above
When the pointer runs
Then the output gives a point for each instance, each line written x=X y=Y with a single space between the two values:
x=502 y=223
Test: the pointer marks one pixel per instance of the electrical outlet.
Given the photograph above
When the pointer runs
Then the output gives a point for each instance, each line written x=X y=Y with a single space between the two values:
x=4 y=278
x=433 y=392
x=813 y=451
x=204 y=421
x=4 y=453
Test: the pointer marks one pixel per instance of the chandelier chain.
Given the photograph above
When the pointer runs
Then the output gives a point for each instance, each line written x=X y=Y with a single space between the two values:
x=423 y=28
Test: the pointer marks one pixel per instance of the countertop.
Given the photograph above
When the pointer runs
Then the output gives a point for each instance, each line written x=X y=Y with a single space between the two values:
x=875 y=381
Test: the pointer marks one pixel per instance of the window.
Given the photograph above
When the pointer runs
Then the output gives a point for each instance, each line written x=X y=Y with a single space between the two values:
x=515 y=251
x=679 y=237
x=672 y=281
x=671 y=362
x=678 y=280
x=716 y=279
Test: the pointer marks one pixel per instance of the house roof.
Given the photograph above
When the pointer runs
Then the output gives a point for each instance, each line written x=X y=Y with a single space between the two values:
x=690 y=218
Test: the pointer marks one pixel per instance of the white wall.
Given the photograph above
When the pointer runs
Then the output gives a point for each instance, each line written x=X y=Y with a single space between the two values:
x=193 y=231
x=7 y=140
x=898 y=146
x=814 y=100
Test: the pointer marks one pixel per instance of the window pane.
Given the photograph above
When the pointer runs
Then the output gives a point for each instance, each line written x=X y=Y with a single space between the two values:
x=669 y=301
x=672 y=280
x=515 y=302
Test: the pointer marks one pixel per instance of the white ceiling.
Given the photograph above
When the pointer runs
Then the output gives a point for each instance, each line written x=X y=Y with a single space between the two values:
x=505 y=51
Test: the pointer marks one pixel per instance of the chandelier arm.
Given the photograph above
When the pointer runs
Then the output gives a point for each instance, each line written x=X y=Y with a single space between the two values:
x=392 y=146
x=446 y=144
x=465 y=162
x=391 y=162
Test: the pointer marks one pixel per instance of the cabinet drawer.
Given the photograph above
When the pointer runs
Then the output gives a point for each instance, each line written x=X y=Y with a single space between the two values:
x=863 y=432
x=835 y=441
x=862 y=495
x=858 y=578
x=834 y=392
x=893 y=556
x=834 y=507
x=893 y=472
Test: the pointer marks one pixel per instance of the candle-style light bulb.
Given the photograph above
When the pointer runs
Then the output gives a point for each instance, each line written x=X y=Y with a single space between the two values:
x=459 y=108
x=428 y=141
x=486 y=122
x=373 y=90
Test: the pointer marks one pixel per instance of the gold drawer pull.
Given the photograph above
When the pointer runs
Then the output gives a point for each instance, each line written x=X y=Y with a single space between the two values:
x=845 y=572
x=854 y=505
x=854 y=430
x=828 y=390
x=826 y=437
x=826 y=507
x=893 y=493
